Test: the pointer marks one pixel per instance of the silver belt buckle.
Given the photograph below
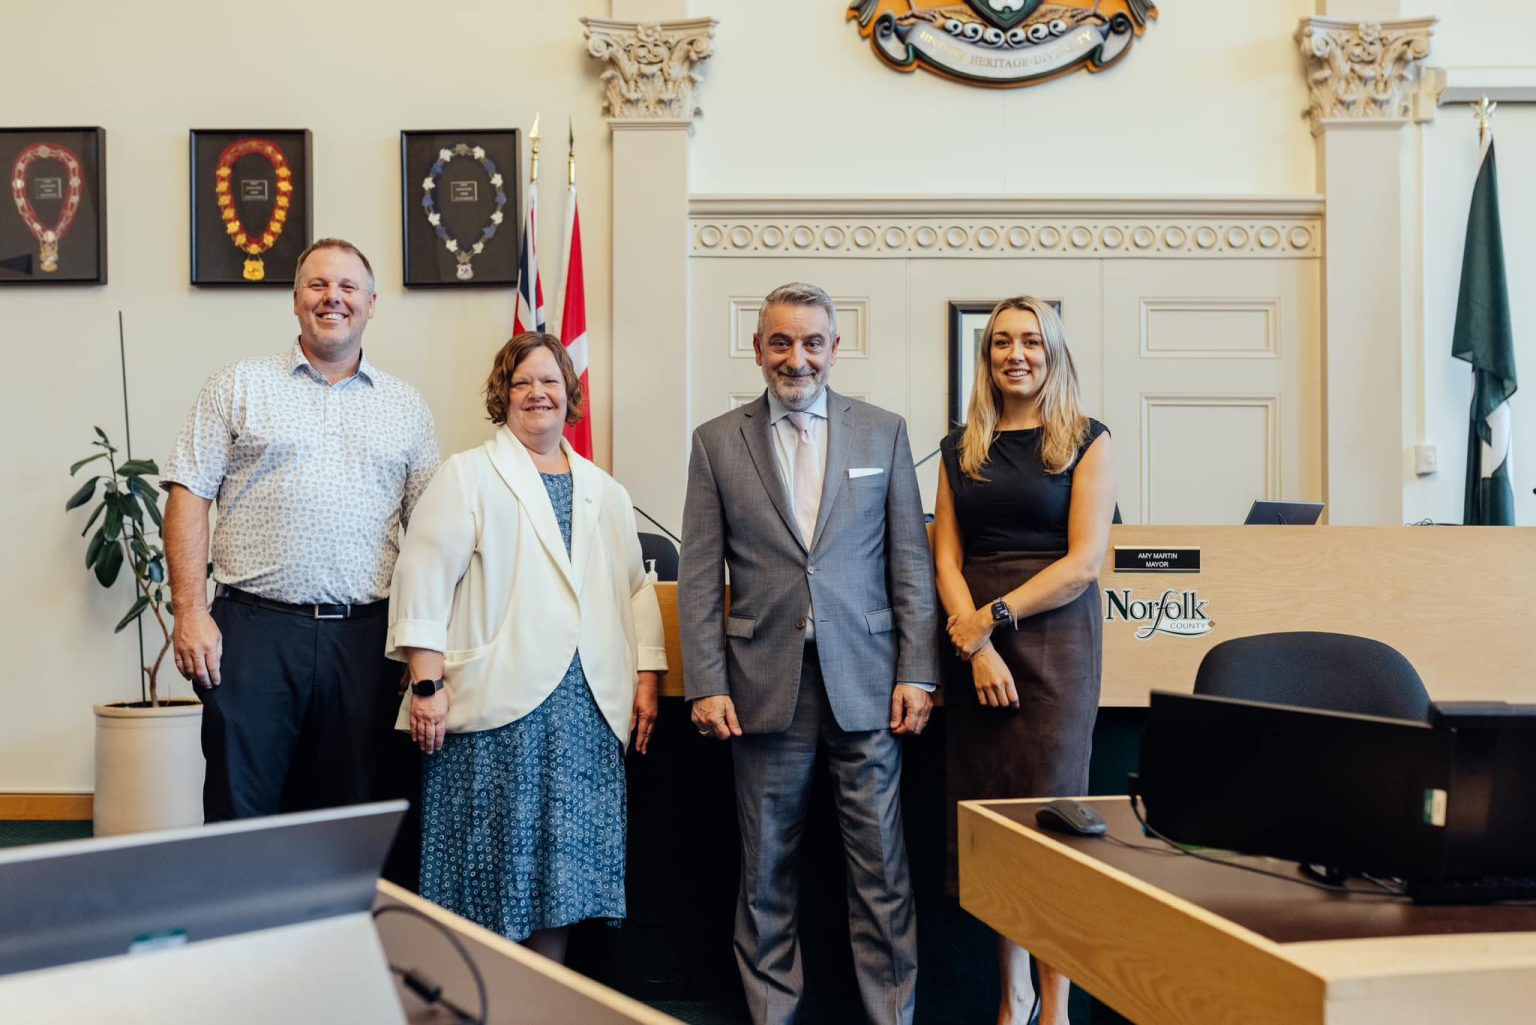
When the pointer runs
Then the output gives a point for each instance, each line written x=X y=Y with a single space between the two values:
x=346 y=613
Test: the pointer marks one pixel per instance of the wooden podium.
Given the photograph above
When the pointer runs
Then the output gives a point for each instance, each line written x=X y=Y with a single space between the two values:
x=1456 y=601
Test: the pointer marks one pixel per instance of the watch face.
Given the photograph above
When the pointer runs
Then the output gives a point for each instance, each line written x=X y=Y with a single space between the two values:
x=426 y=688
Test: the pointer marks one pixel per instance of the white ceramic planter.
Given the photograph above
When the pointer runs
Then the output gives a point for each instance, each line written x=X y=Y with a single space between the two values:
x=149 y=767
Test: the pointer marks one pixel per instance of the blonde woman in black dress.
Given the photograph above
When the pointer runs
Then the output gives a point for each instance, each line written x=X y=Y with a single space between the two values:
x=1020 y=528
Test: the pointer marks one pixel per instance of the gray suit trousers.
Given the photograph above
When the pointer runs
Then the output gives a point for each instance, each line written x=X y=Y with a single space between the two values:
x=773 y=778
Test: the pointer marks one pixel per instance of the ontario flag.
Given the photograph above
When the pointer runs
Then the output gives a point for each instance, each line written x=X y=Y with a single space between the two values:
x=573 y=326
x=1484 y=337
x=529 y=314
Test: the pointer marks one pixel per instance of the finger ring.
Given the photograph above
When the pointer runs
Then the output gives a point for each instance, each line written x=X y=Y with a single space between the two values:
x=706 y=733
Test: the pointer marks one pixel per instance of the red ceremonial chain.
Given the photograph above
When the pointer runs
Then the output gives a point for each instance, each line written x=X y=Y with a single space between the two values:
x=46 y=151
x=237 y=233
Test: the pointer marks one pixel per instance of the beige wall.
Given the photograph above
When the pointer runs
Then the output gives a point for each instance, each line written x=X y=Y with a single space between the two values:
x=794 y=103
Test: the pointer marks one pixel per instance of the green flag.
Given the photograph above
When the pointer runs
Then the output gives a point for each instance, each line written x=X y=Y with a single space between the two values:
x=1485 y=338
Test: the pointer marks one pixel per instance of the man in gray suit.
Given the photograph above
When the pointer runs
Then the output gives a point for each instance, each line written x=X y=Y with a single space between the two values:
x=811 y=500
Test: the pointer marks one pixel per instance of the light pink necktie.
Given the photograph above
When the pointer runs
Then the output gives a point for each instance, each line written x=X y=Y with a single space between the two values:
x=807 y=477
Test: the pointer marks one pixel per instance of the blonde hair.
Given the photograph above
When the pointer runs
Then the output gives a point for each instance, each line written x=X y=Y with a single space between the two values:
x=1064 y=425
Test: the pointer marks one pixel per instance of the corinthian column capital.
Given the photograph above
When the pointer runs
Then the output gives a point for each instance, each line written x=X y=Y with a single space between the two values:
x=1362 y=71
x=652 y=66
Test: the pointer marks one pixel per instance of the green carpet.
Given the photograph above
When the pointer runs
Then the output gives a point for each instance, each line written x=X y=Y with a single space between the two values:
x=16 y=834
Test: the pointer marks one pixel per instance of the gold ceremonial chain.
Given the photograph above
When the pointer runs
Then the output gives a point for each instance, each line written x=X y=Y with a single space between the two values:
x=255 y=270
x=47 y=238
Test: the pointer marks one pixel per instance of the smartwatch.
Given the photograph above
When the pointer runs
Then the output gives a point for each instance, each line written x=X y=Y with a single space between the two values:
x=426 y=688
x=1002 y=614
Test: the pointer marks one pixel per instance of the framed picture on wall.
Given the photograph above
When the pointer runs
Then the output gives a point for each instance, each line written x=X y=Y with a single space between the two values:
x=54 y=229
x=460 y=207
x=967 y=320
x=251 y=215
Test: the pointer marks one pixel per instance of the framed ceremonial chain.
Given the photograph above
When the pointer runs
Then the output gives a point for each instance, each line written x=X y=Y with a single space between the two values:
x=251 y=214
x=967 y=320
x=460 y=207
x=53 y=231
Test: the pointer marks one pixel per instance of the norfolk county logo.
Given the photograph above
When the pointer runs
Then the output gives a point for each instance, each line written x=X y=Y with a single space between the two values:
x=1001 y=43
x=1180 y=613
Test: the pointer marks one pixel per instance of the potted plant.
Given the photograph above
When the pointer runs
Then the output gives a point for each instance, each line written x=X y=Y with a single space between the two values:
x=149 y=760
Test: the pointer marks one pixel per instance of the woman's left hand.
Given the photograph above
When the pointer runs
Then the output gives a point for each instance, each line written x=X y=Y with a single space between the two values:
x=642 y=718
x=968 y=633
x=429 y=721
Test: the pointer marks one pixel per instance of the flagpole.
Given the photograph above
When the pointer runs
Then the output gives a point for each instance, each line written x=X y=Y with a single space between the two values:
x=533 y=163
x=1483 y=110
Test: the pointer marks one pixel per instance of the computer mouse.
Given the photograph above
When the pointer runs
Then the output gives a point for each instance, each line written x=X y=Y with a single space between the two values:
x=1069 y=816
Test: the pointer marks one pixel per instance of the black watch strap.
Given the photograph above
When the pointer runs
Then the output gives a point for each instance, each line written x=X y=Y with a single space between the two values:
x=426 y=688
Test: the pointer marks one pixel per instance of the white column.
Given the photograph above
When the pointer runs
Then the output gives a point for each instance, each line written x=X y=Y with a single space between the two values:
x=1362 y=75
x=648 y=82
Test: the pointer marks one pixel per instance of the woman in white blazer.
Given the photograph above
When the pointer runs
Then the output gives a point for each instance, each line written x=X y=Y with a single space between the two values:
x=533 y=640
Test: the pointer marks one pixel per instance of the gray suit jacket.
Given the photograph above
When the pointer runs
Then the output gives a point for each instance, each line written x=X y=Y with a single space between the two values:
x=869 y=572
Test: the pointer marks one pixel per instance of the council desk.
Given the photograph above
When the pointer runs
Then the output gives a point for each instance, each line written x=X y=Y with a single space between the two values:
x=1170 y=940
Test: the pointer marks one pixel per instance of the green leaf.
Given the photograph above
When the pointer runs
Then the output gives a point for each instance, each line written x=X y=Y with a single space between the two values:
x=128 y=505
x=83 y=495
x=136 y=467
x=146 y=492
x=139 y=605
x=94 y=548
x=88 y=459
x=114 y=523
x=157 y=574
x=102 y=435
x=109 y=564
x=100 y=508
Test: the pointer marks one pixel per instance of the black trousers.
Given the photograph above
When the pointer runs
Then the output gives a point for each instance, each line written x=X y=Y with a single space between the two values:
x=304 y=718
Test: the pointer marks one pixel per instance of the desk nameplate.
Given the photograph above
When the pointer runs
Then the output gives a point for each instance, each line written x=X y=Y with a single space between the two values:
x=1141 y=559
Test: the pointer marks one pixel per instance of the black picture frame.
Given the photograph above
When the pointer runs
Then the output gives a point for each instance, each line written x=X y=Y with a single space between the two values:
x=63 y=172
x=440 y=254
x=967 y=320
x=256 y=159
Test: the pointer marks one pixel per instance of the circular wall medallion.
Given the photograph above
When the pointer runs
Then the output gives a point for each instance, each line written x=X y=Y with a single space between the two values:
x=1143 y=237
x=925 y=236
x=1301 y=238
x=772 y=236
x=895 y=238
x=1018 y=238
x=1174 y=238
x=863 y=236
x=802 y=237
x=741 y=236
x=1111 y=237
x=956 y=238
x=833 y=237
x=1050 y=238
x=1206 y=237
x=1269 y=236
x=710 y=236
x=986 y=238
x=1237 y=238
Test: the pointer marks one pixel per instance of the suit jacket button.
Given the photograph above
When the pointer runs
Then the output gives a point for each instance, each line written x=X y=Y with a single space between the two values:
x=811 y=570
x=800 y=623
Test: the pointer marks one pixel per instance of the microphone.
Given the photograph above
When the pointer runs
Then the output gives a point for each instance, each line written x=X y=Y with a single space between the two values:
x=677 y=540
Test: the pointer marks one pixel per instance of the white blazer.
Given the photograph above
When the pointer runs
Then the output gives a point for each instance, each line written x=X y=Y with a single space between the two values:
x=483 y=577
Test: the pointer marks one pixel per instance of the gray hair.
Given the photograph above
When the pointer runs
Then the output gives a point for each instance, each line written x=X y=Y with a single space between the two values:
x=798 y=293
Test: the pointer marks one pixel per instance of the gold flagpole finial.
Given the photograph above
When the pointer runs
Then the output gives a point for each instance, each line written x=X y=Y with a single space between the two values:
x=533 y=164
x=1483 y=110
x=570 y=160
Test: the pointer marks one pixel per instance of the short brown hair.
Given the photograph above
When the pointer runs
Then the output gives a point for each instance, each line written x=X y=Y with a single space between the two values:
x=519 y=348
x=332 y=243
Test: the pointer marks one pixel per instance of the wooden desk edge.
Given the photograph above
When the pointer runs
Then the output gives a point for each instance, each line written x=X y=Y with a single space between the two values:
x=537 y=976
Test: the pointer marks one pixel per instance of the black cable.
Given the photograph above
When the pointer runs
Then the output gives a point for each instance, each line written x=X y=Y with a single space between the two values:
x=675 y=539
x=1326 y=887
x=423 y=986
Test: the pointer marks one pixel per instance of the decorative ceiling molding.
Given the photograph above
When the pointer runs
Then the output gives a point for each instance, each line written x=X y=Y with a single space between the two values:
x=1082 y=227
x=652 y=66
x=1362 y=73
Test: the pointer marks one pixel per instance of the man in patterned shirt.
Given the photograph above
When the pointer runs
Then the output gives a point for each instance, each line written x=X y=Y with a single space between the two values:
x=315 y=459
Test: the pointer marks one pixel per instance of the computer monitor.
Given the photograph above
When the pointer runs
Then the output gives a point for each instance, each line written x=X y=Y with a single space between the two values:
x=1430 y=803
x=256 y=920
x=1283 y=513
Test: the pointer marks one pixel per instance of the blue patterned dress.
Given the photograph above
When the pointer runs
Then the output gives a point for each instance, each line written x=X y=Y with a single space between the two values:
x=523 y=826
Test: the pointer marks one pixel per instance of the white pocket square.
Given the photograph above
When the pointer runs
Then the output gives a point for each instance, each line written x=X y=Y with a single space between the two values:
x=863 y=471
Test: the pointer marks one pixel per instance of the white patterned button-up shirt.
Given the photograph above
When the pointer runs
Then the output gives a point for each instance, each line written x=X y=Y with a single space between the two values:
x=313 y=481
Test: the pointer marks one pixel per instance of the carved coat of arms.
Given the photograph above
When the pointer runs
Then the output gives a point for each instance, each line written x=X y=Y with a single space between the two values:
x=1002 y=43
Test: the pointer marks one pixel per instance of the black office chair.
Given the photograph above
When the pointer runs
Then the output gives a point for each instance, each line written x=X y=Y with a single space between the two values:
x=663 y=551
x=1333 y=672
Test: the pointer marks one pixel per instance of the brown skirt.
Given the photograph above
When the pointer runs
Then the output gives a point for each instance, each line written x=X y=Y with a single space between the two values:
x=1041 y=748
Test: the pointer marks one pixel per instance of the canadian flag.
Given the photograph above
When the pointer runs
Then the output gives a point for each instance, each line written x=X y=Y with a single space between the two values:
x=573 y=326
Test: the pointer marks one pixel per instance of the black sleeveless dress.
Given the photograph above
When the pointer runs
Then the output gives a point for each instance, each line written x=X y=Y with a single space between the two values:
x=1012 y=526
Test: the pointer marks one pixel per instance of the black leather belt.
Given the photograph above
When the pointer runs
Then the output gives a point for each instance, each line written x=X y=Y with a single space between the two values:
x=373 y=608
